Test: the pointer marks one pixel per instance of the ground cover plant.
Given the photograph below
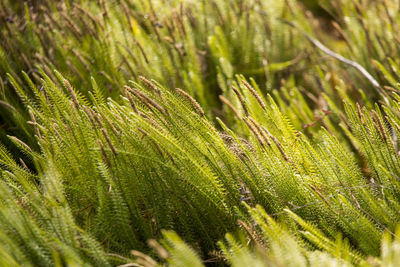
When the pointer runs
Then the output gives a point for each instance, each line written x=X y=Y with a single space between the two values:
x=199 y=133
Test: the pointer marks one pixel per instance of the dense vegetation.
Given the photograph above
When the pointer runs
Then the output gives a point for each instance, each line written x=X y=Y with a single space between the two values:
x=191 y=133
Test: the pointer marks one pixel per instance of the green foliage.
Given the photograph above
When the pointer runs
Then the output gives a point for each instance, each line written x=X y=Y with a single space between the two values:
x=103 y=153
